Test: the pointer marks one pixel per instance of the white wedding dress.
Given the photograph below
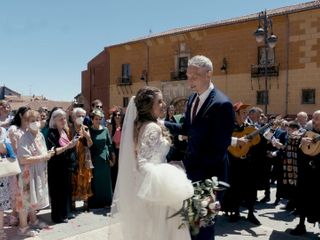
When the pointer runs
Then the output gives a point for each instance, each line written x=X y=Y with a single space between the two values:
x=148 y=189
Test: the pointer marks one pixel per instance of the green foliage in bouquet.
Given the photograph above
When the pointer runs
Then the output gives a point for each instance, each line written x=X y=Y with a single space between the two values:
x=200 y=210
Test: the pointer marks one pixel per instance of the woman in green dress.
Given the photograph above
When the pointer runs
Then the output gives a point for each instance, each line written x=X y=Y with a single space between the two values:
x=102 y=158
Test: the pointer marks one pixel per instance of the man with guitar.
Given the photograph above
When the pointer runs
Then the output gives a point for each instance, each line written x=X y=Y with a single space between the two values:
x=241 y=175
x=308 y=179
x=253 y=117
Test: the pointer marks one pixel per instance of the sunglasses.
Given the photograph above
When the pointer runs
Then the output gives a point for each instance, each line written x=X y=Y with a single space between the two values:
x=99 y=106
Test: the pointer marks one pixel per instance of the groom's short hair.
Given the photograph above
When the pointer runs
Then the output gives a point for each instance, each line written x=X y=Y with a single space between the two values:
x=201 y=61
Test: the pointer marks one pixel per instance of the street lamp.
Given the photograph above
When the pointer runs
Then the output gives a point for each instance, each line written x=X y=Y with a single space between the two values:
x=269 y=39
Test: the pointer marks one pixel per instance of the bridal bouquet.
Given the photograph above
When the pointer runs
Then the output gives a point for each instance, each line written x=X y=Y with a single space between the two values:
x=200 y=210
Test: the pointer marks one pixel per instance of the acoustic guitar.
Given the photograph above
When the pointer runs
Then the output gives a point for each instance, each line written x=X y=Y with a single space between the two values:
x=313 y=148
x=251 y=133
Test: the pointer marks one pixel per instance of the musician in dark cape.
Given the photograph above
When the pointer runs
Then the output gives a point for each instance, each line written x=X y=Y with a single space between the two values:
x=261 y=163
x=243 y=188
x=308 y=200
x=287 y=183
x=277 y=135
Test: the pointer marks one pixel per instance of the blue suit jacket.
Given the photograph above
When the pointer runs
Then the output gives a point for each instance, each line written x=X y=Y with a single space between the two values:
x=209 y=136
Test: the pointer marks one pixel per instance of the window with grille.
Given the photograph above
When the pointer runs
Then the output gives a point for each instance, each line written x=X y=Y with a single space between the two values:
x=261 y=97
x=126 y=74
x=308 y=96
x=125 y=101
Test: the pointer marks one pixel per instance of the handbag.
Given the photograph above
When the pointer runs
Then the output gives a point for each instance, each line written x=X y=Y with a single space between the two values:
x=88 y=161
x=9 y=167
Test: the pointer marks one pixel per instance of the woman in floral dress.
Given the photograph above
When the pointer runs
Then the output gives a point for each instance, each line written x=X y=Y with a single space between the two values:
x=32 y=182
x=19 y=126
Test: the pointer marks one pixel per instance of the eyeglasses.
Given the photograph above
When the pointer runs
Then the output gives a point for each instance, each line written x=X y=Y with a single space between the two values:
x=99 y=106
x=117 y=114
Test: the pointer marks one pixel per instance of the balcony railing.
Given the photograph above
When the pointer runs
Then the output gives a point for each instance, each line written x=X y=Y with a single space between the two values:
x=124 y=80
x=259 y=70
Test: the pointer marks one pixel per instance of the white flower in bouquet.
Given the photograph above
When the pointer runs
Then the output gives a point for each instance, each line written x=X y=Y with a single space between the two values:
x=203 y=212
x=215 y=206
x=204 y=203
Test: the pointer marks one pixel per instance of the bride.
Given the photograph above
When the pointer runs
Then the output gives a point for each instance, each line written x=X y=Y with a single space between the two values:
x=148 y=190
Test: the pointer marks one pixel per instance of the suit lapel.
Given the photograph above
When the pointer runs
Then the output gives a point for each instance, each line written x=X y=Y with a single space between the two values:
x=206 y=105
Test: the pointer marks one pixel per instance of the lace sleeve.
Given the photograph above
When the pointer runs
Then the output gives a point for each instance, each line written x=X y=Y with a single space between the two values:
x=161 y=183
x=149 y=140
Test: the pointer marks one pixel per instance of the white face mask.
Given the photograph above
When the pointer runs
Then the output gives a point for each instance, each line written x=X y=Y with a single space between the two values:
x=34 y=125
x=79 y=120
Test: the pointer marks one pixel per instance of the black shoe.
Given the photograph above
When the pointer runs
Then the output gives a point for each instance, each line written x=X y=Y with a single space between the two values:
x=294 y=212
x=86 y=207
x=71 y=216
x=299 y=230
x=57 y=221
x=251 y=218
x=73 y=207
x=234 y=217
x=289 y=206
x=265 y=199
x=226 y=214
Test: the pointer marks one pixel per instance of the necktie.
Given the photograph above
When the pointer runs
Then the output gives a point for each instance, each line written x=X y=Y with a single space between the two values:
x=195 y=108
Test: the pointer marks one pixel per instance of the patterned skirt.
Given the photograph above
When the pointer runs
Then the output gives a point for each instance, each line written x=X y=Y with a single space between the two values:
x=5 y=202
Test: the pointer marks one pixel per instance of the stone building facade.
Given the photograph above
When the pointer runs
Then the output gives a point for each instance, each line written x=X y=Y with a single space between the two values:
x=293 y=76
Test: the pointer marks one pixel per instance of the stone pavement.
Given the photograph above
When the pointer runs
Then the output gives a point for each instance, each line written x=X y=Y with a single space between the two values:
x=95 y=225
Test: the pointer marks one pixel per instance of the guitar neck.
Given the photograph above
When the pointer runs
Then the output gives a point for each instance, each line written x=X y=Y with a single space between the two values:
x=258 y=131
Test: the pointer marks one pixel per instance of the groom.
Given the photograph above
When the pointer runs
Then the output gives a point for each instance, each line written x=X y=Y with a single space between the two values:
x=208 y=124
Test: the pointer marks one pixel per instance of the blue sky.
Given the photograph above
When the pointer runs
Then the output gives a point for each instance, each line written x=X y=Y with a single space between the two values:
x=46 y=44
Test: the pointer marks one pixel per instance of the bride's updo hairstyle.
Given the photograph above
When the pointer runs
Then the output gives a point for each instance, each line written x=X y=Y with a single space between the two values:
x=144 y=101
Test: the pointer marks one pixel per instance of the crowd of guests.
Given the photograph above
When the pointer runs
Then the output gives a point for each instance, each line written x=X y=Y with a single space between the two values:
x=73 y=156
x=64 y=156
